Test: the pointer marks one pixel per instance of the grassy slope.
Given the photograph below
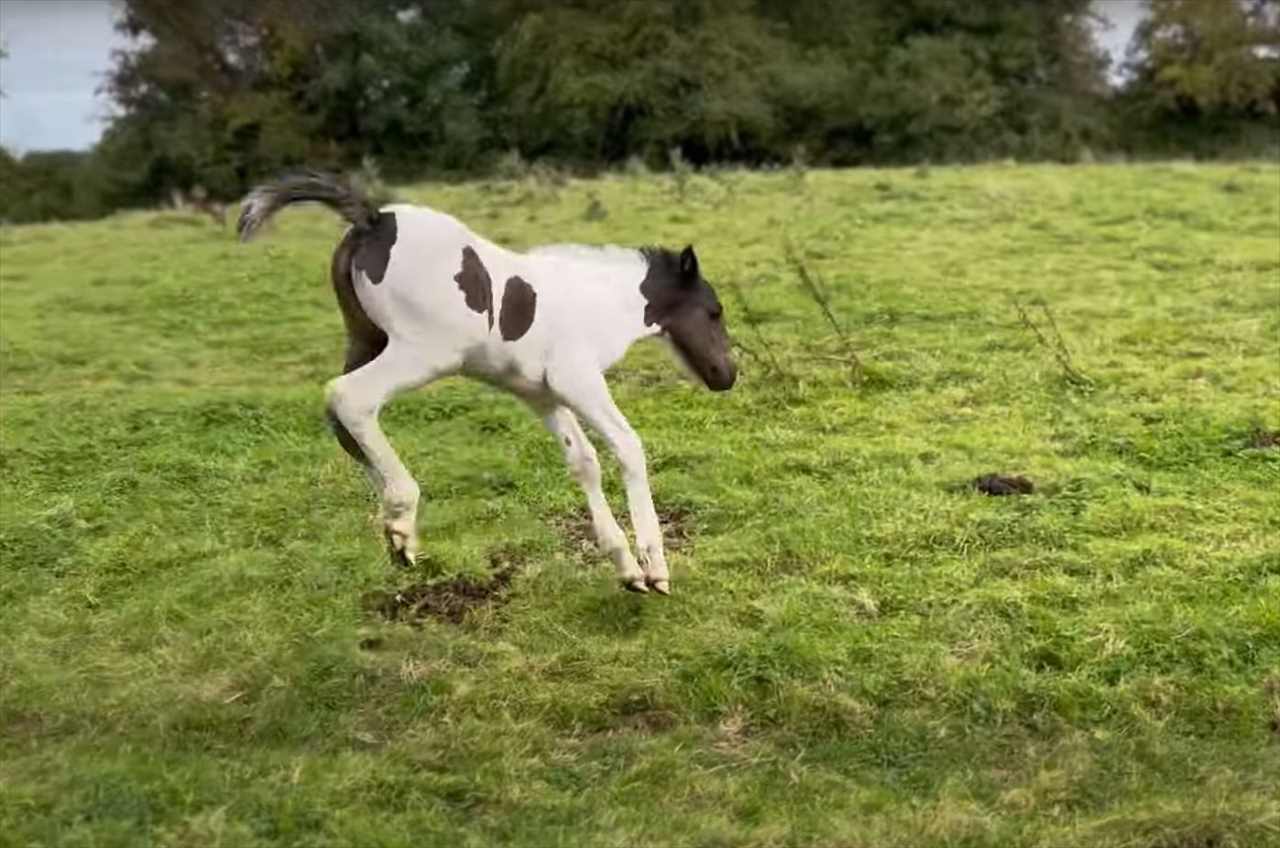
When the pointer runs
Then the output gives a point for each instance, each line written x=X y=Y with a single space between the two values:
x=858 y=654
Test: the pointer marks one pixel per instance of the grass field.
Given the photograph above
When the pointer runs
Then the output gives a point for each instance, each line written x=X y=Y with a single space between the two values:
x=861 y=651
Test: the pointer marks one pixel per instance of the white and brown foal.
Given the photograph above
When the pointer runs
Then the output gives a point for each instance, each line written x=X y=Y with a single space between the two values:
x=424 y=297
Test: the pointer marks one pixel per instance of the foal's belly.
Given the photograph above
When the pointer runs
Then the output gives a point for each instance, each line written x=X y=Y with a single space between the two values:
x=524 y=377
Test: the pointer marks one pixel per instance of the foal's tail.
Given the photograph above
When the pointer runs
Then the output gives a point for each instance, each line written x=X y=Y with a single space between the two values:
x=269 y=198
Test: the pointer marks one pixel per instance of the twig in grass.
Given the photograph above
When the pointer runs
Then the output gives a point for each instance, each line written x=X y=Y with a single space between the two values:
x=1055 y=345
x=817 y=291
x=752 y=320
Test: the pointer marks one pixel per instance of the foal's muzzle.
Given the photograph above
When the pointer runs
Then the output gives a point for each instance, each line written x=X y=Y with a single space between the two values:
x=720 y=377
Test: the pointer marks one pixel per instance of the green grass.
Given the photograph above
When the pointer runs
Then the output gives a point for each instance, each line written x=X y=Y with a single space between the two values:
x=860 y=651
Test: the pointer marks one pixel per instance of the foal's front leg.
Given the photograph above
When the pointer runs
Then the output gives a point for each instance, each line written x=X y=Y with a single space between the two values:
x=583 y=464
x=587 y=394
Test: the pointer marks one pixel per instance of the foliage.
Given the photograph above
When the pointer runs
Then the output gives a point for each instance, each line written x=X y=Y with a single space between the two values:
x=861 y=649
x=215 y=94
x=49 y=185
x=1194 y=58
x=224 y=92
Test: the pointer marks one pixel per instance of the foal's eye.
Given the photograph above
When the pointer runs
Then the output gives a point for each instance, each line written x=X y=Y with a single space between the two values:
x=715 y=313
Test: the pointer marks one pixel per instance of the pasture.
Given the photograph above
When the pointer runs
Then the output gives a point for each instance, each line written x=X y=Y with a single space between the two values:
x=200 y=642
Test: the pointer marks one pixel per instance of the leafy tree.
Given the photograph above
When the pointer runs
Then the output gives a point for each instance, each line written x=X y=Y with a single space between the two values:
x=1208 y=58
x=971 y=80
x=223 y=91
x=600 y=80
x=218 y=93
x=47 y=186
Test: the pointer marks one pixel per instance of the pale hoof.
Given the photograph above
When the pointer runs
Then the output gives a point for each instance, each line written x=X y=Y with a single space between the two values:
x=662 y=587
x=401 y=549
x=636 y=585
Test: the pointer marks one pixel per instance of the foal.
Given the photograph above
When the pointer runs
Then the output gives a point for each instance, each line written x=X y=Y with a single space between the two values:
x=423 y=297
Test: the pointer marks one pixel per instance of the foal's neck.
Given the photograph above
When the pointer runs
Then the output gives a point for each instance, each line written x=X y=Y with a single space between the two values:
x=614 y=275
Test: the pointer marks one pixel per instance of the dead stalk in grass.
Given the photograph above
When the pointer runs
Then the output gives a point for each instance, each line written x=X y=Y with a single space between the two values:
x=769 y=359
x=1054 y=343
x=816 y=289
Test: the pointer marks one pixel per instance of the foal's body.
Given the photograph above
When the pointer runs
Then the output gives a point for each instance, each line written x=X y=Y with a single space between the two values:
x=424 y=297
x=583 y=305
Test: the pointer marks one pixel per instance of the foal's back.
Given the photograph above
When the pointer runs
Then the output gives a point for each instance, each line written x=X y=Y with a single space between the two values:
x=428 y=279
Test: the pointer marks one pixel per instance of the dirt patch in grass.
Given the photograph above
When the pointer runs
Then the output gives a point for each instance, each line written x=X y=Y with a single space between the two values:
x=448 y=601
x=677 y=527
x=1002 y=484
x=1193 y=841
x=677 y=524
x=1260 y=438
x=647 y=721
x=1271 y=687
x=732 y=731
x=639 y=713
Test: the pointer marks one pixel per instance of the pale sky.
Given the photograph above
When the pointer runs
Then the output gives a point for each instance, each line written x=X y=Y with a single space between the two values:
x=60 y=49
x=1123 y=16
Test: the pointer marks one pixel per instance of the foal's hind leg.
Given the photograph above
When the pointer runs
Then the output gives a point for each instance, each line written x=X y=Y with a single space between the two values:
x=354 y=400
x=361 y=350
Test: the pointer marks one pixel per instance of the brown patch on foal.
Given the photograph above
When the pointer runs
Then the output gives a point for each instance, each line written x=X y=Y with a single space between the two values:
x=519 y=302
x=365 y=339
x=373 y=250
x=474 y=282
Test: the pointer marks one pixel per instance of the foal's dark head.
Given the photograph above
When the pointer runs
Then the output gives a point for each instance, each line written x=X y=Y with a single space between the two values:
x=686 y=307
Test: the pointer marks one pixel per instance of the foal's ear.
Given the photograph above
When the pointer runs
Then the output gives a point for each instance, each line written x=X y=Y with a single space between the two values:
x=688 y=264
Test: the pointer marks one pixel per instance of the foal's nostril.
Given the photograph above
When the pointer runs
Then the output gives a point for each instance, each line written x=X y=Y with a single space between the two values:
x=721 y=378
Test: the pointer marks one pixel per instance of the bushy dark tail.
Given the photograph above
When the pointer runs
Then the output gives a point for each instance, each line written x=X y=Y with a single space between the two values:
x=269 y=198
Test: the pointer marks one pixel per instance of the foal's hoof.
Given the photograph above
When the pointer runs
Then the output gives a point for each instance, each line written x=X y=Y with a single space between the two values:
x=662 y=587
x=636 y=585
x=402 y=553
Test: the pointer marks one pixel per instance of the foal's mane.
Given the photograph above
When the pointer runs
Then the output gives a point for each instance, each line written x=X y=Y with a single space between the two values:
x=608 y=253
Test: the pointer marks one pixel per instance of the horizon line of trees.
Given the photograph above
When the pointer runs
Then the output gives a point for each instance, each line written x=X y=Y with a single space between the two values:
x=217 y=94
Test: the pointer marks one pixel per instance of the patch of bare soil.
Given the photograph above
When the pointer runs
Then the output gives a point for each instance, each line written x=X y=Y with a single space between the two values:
x=1263 y=439
x=648 y=722
x=639 y=714
x=448 y=601
x=1000 y=485
x=677 y=529
x=1271 y=686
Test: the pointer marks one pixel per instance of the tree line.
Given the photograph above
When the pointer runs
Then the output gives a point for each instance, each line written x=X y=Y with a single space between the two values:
x=215 y=94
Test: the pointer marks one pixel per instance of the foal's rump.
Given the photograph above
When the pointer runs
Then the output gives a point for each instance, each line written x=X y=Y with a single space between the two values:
x=393 y=270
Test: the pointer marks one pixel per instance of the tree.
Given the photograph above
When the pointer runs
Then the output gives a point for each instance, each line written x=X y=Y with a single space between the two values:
x=1208 y=58
x=221 y=92
x=595 y=80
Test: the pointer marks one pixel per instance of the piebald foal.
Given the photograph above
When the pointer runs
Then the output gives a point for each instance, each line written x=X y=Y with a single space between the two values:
x=424 y=297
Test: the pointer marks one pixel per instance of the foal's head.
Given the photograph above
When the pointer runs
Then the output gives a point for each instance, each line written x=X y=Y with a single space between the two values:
x=685 y=306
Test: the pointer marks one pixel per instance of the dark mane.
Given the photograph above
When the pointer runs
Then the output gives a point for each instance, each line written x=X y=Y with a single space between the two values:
x=666 y=260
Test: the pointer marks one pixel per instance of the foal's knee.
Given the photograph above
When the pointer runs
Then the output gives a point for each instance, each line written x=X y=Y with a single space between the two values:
x=400 y=497
x=585 y=466
x=630 y=454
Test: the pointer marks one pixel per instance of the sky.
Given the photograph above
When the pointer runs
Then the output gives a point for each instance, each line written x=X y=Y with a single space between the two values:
x=60 y=49
x=58 y=52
